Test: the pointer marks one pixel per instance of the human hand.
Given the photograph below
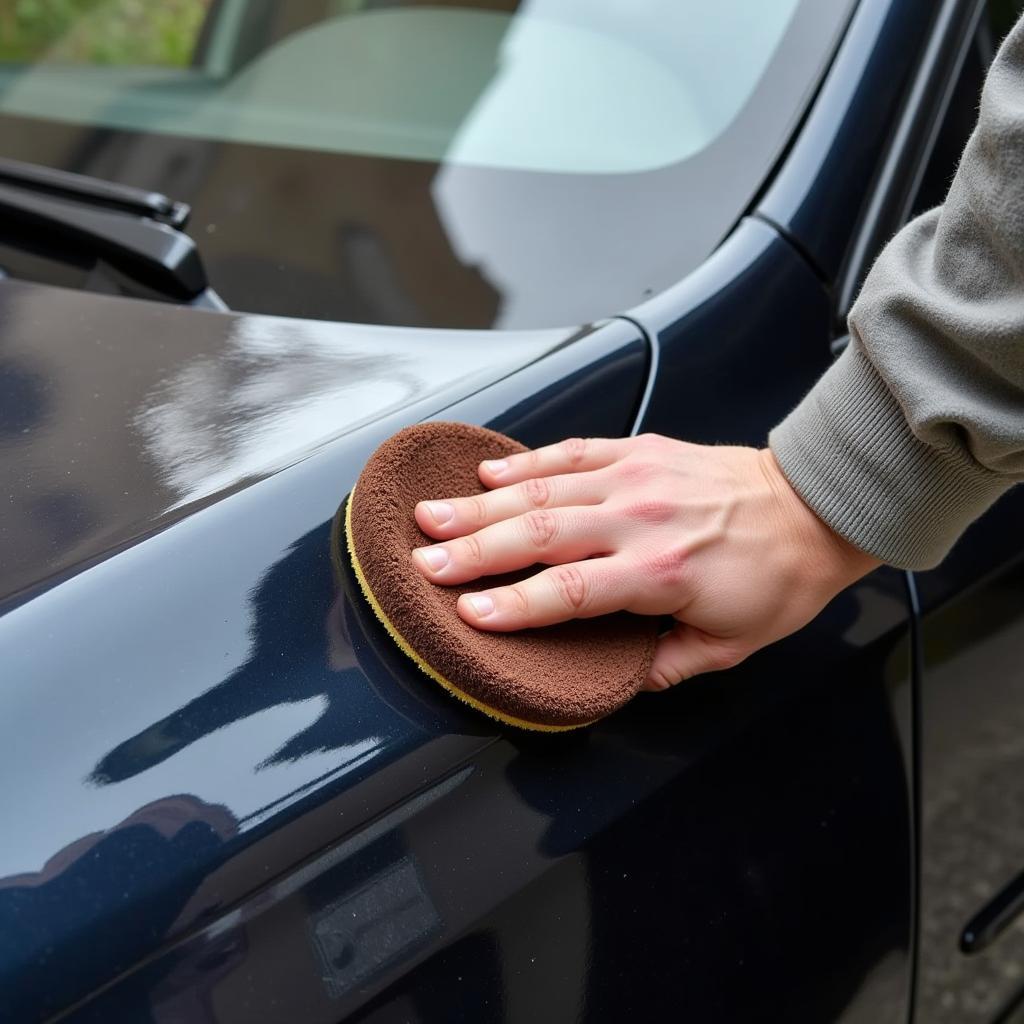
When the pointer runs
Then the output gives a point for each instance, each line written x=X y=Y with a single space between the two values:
x=714 y=536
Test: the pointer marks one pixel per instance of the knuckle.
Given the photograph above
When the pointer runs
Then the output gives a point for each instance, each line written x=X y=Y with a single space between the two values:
x=724 y=657
x=575 y=449
x=668 y=568
x=663 y=677
x=541 y=527
x=537 y=492
x=634 y=471
x=472 y=549
x=476 y=508
x=518 y=599
x=571 y=587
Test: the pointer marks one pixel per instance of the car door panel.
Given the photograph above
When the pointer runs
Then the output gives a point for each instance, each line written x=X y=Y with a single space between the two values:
x=771 y=327
x=537 y=872
x=972 y=767
x=969 y=631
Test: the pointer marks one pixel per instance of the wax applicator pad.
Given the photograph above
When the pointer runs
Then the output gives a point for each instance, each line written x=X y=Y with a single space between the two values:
x=554 y=678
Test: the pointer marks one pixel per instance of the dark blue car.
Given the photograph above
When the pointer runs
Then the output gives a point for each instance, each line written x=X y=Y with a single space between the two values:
x=293 y=228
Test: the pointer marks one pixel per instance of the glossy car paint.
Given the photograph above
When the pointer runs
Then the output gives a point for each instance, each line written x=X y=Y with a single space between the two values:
x=971 y=631
x=265 y=815
x=972 y=715
x=712 y=361
x=838 y=174
x=216 y=677
x=969 y=670
x=293 y=766
x=970 y=680
x=120 y=418
x=428 y=847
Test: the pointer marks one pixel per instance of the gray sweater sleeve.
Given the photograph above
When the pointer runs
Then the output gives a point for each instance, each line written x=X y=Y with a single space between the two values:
x=919 y=426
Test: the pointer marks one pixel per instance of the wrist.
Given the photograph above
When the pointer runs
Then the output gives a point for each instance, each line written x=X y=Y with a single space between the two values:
x=828 y=558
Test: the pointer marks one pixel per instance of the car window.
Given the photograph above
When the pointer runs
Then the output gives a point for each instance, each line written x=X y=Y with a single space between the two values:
x=549 y=85
x=518 y=164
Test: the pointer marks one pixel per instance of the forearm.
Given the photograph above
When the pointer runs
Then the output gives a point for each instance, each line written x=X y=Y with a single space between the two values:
x=919 y=426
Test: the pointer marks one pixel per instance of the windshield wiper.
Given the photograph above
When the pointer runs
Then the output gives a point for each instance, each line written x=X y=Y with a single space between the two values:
x=126 y=198
x=136 y=231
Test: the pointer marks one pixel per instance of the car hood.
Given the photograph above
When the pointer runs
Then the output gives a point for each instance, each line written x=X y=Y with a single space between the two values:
x=119 y=417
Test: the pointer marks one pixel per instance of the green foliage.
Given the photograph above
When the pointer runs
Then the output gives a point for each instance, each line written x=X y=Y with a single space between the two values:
x=139 y=32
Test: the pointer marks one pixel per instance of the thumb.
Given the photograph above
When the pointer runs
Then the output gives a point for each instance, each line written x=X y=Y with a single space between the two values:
x=686 y=652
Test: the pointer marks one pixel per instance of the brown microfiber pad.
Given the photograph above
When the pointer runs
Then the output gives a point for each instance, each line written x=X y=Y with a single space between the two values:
x=558 y=677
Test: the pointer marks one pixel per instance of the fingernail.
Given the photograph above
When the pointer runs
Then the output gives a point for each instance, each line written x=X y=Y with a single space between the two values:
x=482 y=604
x=496 y=466
x=440 y=511
x=436 y=558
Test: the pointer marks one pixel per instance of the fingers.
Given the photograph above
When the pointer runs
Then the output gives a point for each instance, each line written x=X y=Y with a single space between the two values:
x=543 y=535
x=579 y=590
x=686 y=652
x=455 y=517
x=573 y=455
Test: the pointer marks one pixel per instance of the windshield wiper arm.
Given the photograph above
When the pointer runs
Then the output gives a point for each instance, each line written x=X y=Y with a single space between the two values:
x=96 y=191
x=148 y=250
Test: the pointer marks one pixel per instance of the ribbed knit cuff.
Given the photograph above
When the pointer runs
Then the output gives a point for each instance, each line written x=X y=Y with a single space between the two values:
x=848 y=452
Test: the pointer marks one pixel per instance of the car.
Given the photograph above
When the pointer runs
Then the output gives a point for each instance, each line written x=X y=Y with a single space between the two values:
x=244 y=243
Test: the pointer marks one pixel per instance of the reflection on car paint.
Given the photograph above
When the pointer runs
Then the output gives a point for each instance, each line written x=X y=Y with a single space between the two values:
x=117 y=866
x=115 y=428
x=256 y=692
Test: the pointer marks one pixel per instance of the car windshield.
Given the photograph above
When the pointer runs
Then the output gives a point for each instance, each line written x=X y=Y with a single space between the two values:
x=539 y=163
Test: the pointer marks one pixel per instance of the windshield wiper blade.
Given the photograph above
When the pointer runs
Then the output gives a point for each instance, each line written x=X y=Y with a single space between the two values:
x=150 y=251
x=126 y=198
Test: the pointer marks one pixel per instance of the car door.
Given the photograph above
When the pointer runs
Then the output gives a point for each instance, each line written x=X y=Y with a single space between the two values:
x=967 y=672
x=670 y=860
x=971 y=636
x=968 y=855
